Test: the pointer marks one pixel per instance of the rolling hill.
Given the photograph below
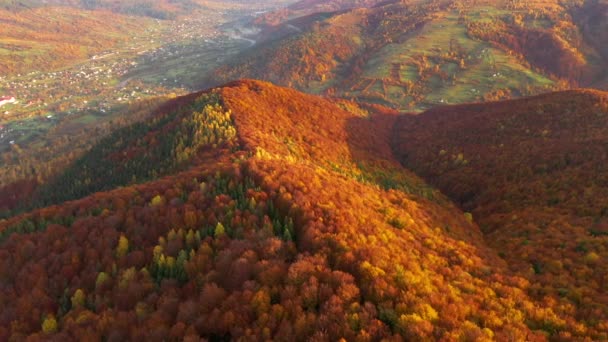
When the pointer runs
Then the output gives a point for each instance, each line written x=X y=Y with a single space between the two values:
x=42 y=39
x=278 y=215
x=158 y=9
x=146 y=8
x=411 y=55
x=533 y=173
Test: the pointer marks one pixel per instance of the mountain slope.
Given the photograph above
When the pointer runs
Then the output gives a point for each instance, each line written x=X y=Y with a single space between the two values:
x=287 y=234
x=53 y=37
x=167 y=142
x=156 y=9
x=533 y=173
x=592 y=18
x=415 y=54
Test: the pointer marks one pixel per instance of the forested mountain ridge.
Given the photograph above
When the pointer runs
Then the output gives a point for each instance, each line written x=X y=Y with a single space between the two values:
x=166 y=142
x=300 y=225
x=250 y=211
x=533 y=173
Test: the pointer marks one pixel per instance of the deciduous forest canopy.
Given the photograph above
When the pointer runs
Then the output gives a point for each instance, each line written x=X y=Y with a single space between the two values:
x=416 y=171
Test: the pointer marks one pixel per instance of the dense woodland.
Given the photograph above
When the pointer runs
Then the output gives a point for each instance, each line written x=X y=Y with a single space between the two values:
x=24 y=169
x=533 y=173
x=285 y=230
x=251 y=211
x=145 y=150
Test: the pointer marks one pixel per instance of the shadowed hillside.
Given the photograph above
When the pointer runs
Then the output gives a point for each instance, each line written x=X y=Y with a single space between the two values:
x=533 y=173
x=283 y=231
x=592 y=18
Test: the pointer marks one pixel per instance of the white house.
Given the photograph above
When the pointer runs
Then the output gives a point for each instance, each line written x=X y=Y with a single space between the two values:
x=6 y=100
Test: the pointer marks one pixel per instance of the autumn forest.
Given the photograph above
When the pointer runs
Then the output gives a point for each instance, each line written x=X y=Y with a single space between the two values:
x=366 y=194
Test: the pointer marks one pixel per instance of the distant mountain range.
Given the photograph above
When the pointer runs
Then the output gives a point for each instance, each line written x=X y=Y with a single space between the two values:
x=412 y=55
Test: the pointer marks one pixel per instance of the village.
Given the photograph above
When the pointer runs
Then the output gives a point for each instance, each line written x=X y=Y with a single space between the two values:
x=7 y=100
x=171 y=58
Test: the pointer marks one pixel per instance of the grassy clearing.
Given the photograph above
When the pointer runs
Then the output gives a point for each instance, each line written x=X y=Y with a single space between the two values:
x=492 y=72
x=442 y=64
x=486 y=14
x=24 y=132
x=86 y=119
